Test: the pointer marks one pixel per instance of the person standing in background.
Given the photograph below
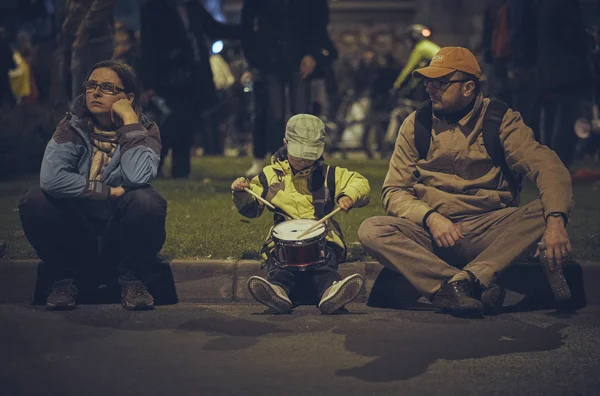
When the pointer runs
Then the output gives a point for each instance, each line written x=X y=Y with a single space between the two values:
x=126 y=46
x=22 y=80
x=6 y=63
x=87 y=37
x=563 y=72
x=284 y=42
x=416 y=36
x=176 y=66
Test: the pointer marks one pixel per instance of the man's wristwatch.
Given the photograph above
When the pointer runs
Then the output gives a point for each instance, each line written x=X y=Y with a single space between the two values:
x=559 y=214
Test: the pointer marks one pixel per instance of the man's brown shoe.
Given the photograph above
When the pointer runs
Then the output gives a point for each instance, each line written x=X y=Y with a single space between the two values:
x=457 y=299
x=492 y=298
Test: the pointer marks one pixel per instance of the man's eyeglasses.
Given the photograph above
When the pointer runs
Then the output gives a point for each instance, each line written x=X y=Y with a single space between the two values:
x=441 y=84
x=105 y=87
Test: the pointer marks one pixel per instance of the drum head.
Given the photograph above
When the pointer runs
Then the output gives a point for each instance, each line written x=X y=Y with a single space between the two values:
x=289 y=230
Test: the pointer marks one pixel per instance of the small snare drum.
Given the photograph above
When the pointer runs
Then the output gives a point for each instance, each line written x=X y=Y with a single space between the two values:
x=299 y=254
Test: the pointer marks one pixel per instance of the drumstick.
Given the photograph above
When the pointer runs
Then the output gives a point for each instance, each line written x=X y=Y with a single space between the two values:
x=261 y=199
x=323 y=220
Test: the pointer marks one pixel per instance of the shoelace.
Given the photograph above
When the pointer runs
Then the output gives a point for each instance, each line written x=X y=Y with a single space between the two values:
x=464 y=287
x=138 y=290
x=65 y=288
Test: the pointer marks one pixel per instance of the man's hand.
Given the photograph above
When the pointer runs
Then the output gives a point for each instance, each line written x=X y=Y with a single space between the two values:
x=307 y=66
x=445 y=233
x=556 y=239
x=122 y=108
x=239 y=184
x=116 y=192
x=345 y=203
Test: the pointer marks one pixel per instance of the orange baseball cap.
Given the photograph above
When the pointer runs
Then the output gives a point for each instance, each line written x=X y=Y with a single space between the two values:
x=448 y=60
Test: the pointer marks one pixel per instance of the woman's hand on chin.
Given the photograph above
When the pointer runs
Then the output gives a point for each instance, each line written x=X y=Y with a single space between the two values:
x=123 y=110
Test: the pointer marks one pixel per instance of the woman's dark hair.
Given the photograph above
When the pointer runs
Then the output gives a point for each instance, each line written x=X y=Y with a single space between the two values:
x=128 y=77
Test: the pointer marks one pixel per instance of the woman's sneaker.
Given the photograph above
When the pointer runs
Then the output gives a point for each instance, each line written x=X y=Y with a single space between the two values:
x=269 y=294
x=341 y=293
x=63 y=295
x=135 y=297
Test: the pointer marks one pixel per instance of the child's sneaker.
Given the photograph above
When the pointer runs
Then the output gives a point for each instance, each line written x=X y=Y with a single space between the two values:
x=269 y=294
x=341 y=293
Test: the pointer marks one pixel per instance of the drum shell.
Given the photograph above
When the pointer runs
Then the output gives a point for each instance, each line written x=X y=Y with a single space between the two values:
x=302 y=254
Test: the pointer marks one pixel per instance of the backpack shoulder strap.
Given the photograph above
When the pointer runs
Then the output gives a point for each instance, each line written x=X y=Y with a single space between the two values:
x=423 y=123
x=492 y=121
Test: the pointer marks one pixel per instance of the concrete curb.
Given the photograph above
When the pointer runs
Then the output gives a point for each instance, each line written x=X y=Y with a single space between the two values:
x=201 y=281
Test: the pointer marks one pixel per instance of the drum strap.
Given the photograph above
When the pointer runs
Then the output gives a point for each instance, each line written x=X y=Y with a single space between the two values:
x=331 y=187
x=323 y=205
x=317 y=187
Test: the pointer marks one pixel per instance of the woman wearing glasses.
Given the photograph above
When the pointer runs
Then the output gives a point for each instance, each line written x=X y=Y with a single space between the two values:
x=95 y=202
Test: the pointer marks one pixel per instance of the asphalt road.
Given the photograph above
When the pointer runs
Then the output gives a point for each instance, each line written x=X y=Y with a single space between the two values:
x=238 y=349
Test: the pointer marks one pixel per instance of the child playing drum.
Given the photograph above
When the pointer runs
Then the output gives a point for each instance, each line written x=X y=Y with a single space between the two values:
x=300 y=185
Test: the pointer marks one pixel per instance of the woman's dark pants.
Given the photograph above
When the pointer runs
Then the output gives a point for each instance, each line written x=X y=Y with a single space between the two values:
x=71 y=234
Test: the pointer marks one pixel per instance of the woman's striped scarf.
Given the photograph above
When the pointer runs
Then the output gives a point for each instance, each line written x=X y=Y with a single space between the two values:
x=104 y=145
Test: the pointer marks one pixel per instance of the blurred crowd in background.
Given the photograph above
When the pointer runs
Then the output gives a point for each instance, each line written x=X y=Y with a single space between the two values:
x=542 y=57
